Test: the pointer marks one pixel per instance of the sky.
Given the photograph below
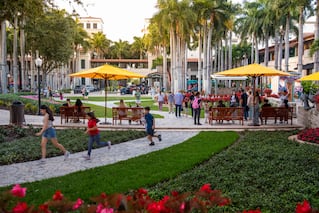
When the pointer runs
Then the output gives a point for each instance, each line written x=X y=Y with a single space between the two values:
x=123 y=19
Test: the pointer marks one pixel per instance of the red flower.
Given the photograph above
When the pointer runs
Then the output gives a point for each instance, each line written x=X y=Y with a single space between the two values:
x=44 y=208
x=304 y=207
x=77 y=204
x=174 y=193
x=252 y=211
x=21 y=207
x=206 y=188
x=142 y=191
x=58 y=195
x=18 y=191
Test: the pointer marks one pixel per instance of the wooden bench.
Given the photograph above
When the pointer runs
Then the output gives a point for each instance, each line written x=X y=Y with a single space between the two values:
x=127 y=113
x=220 y=114
x=72 y=113
x=282 y=113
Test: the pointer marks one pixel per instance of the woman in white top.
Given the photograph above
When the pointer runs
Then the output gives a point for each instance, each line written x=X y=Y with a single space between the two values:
x=48 y=132
x=160 y=100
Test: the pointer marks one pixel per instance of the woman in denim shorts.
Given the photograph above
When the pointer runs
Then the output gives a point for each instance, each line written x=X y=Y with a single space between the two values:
x=48 y=132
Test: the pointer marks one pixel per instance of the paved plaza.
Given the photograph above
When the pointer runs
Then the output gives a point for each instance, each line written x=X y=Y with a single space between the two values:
x=174 y=130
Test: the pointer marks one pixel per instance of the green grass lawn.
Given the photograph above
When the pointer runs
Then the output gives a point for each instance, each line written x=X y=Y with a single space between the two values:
x=262 y=170
x=142 y=171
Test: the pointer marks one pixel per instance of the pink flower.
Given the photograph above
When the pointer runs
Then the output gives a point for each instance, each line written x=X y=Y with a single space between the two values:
x=21 y=207
x=58 y=195
x=182 y=207
x=18 y=191
x=77 y=204
x=304 y=207
x=101 y=209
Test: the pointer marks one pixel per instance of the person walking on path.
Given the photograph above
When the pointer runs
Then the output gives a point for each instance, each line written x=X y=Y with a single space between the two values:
x=170 y=100
x=137 y=97
x=160 y=100
x=94 y=134
x=150 y=126
x=243 y=101
x=178 y=98
x=197 y=102
x=48 y=132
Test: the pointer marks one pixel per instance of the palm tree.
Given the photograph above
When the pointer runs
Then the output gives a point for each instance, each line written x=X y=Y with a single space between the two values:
x=139 y=46
x=100 y=44
x=121 y=48
x=178 y=18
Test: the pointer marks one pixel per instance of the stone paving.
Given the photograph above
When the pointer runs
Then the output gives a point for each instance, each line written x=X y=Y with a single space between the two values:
x=174 y=130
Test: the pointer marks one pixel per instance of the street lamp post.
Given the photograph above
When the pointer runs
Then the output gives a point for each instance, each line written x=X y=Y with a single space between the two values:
x=38 y=63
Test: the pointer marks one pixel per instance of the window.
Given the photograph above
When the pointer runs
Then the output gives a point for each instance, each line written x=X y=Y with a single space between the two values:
x=94 y=25
x=88 y=25
x=82 y=64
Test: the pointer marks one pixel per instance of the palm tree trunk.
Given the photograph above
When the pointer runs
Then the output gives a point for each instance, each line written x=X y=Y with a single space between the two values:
x=24 y=76
x=208 y=61
x=316 y=55
x=300 y=41
x=266 y=49
x=252 y=50
x=3 y=58
x=199 y=71
x=280 y=50
x=276 y=49
x=287 y=43
x=15 y=56
x=164 y=67
x=205 y=58
x=256 y=50
x=230 y=51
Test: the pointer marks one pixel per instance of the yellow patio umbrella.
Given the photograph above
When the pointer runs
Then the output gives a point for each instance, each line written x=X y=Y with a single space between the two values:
x=107 y=72
x=253 y=70
x=311 y=77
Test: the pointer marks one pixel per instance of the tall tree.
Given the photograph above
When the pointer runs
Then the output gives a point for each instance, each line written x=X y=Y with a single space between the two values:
x=100 y=44
x=52 y=35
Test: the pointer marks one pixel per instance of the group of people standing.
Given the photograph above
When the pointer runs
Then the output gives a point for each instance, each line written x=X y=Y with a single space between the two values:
x=184 y=102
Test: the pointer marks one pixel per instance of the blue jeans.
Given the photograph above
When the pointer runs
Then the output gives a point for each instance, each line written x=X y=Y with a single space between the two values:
x=95 y=138
x=245 y=112
x=49 y=133
x=178 y=109
x=196 y=115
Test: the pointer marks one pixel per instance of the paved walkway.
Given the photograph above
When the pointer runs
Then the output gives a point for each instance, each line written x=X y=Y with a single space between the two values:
x=174 y=130
x=54 y=167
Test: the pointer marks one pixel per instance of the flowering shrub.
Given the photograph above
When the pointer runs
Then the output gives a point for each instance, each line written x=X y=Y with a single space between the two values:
x=201 y=201
x=309 y=135
x=267 y=91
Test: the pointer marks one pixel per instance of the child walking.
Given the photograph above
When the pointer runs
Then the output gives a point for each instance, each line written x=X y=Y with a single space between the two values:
x=150 y=126
x=48 y=132
x=94 y=134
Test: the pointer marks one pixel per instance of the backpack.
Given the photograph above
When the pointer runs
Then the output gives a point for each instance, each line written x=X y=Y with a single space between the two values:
x=195 y=104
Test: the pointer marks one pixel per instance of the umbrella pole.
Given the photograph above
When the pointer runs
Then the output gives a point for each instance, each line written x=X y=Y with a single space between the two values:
x=254 y=107
x=105 y=102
